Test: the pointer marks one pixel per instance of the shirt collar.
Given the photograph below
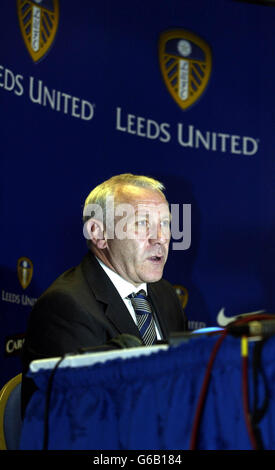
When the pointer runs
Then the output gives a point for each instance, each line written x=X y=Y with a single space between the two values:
x=124 y=287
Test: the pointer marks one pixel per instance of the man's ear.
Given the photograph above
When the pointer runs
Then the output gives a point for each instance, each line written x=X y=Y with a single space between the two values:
x=95 y=231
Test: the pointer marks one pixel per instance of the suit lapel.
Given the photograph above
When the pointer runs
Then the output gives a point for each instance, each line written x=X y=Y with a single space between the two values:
x=159 y=309
x=105 y=292
x=119 y=315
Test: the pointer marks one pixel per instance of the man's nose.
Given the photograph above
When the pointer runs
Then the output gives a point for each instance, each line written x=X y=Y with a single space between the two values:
x=159 y=235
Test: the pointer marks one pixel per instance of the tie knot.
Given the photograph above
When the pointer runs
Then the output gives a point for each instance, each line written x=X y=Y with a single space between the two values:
x=140 y=302
x=140 y=294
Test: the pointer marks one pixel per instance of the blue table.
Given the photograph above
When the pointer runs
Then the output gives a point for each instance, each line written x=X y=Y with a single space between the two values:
x=149 y=402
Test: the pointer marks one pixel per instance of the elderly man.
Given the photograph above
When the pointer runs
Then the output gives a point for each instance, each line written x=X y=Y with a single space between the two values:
x=118 y=287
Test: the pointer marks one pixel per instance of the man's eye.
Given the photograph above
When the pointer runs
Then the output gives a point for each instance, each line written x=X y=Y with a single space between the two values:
x=142 y=223
x=165 y=223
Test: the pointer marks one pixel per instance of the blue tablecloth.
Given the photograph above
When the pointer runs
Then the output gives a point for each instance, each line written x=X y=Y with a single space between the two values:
x=150 y=402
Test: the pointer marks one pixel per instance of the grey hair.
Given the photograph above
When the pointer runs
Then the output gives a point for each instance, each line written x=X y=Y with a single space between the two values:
x=100 y=193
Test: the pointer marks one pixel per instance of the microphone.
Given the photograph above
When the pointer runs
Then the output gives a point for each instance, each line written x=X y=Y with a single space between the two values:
x=263 y=328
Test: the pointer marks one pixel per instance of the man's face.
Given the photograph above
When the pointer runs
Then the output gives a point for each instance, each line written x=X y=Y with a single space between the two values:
x=139 y=248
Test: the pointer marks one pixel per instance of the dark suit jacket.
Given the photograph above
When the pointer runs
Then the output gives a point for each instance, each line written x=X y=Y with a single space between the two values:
x=82 y=308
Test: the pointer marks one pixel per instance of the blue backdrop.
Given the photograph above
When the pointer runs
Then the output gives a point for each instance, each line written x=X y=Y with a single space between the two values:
x=84 y=96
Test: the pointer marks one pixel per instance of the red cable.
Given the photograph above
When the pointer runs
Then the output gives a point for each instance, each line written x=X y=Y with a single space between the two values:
x=205 y=384
x=245 y=387
x=206 y=380
x=246 y=403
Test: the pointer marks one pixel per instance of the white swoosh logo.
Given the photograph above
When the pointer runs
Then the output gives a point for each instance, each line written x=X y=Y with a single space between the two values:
x=222 y=320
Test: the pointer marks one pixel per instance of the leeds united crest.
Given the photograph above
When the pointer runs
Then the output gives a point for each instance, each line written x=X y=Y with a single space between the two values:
x=185 y=62
x=38 y=21
x=24 y=271
x=182 y=293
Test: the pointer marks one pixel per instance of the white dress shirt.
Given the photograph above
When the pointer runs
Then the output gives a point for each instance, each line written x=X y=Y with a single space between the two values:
x=124 y=289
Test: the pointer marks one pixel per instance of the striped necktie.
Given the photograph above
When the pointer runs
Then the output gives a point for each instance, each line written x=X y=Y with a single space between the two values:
x=144 y=317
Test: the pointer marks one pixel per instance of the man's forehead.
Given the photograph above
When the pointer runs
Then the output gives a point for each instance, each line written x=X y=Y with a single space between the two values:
x=146 y=207
x=136 y=195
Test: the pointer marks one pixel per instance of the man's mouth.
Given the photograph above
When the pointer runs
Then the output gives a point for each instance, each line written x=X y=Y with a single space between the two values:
x=156 y=259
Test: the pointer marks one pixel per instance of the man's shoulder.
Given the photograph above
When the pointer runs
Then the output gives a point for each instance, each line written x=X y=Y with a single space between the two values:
x=64 y=283
x=68 y=285
x=79 y=286
x=70 y=281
